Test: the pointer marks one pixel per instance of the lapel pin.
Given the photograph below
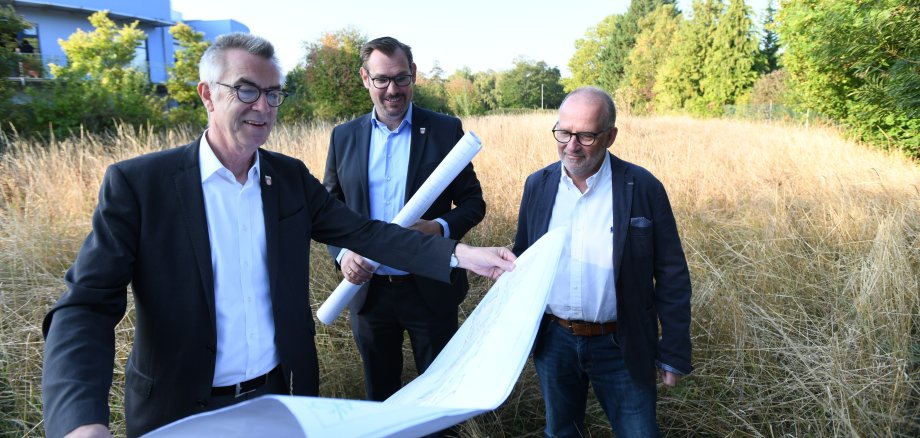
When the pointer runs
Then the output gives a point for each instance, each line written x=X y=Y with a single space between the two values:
x=421 y=131
x=268 y=180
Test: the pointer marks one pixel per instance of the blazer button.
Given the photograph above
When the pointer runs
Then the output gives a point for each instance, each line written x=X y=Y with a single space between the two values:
x=202 y=403
x=212 y=349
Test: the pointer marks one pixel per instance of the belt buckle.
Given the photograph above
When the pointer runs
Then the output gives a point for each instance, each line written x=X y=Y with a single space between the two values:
x=238 y=392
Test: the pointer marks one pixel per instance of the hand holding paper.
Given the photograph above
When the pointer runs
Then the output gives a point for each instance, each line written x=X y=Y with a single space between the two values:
x=461 y=155
x=488 y=262
x=357 y=269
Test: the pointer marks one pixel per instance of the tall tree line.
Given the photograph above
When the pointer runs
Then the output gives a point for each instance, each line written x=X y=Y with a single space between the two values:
x=852 y=62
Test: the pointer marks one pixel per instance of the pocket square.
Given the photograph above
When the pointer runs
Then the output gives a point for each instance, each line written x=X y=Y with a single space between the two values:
x=640 y=222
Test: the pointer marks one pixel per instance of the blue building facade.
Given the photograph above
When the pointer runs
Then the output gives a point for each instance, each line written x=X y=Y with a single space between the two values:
x=58 y=19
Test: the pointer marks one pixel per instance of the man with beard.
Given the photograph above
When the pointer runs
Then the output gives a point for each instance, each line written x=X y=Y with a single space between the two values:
x=622 y=275
x=375 y=164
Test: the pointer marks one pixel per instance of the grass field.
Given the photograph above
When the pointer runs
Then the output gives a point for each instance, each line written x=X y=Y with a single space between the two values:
x=804 y=252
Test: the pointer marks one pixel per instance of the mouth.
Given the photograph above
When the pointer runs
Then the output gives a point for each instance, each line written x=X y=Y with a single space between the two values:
x=398 y=98
x=255 y=123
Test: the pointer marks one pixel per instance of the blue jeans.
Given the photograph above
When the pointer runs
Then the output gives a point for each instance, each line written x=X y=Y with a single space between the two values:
x=567 y=364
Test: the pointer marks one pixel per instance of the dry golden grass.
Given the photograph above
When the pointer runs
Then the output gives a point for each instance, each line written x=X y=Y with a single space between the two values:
x=804 y=251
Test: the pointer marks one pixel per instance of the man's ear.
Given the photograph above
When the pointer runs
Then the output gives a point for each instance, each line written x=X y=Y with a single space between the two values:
x=204 y=92
x=365 y=78
x=612 y=137
x=412 y=69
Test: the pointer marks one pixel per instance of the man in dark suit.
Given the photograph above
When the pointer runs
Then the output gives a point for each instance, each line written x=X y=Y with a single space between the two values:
x=214 y=238
x=622 y=272
x=375 y=164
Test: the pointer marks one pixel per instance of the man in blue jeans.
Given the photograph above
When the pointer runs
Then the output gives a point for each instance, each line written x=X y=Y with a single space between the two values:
x=622 y=272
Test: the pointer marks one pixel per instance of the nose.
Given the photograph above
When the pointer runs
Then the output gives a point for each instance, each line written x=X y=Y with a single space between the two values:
x=573 y=143
x=261 y=103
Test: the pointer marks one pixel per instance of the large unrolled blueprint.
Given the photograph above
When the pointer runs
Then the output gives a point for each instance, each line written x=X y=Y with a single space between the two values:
x=474 y=373
x=461 y=155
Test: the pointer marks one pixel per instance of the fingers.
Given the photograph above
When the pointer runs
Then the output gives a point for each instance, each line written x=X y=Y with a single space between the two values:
x=670 y=379
x=356 y=269
x=488 y=262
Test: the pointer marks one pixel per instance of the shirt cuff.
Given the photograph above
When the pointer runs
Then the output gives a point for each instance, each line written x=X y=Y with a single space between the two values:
x=338 y=258
x=669 y=368
x=444 y=227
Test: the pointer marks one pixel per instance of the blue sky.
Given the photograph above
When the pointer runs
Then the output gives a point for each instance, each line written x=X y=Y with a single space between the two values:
x=479 y=34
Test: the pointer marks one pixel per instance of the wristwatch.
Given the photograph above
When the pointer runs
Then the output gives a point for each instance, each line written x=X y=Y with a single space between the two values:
x=454 y=262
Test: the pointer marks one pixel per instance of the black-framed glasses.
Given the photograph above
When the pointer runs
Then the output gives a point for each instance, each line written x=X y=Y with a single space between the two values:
x=384 y=81
x=583 y=138
x=250 y=93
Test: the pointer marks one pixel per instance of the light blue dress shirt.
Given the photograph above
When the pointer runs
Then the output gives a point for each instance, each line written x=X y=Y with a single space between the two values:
x=387 y=170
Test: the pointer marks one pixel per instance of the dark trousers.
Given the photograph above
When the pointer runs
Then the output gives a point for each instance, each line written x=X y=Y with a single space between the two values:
x=390 y=310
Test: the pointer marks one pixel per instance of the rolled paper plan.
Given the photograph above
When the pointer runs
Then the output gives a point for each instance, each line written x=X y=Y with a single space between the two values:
x=461 y=155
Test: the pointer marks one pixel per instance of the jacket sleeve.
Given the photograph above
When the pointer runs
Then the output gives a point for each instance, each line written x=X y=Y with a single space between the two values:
x=79 y=330
x=672 y=287
x=521 y=237
x=333 y=185
x=334 y=224
x=466 y=194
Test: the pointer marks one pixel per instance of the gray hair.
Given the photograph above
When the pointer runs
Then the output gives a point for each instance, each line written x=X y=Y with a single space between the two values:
x=213 y=62
x=610 y=109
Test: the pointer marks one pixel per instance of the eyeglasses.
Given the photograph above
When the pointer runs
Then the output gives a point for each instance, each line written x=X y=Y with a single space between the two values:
x=384 y=81
x=249 y=94
x=583 y=138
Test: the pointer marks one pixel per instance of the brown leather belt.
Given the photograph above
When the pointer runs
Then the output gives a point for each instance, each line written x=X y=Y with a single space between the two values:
x=393 y=279
x=584 y=328
x=244 y=388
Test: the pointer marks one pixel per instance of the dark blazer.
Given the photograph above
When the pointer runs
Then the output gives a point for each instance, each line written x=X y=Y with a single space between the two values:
x=150 y=231
x=649 y=267
x=346 y=179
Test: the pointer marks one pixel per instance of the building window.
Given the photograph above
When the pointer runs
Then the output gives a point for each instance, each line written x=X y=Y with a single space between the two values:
x=28 y=47
x=141 y=60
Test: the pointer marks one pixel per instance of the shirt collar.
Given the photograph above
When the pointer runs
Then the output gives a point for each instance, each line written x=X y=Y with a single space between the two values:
x=603 y=172
x=407 y=120
x=210 y=165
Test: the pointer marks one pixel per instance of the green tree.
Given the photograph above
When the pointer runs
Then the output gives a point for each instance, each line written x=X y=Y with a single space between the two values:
x=98 y=87
x=429 y=90
x=486 y=83
x=621 y=41
x=585 y=64
x=182 y=84
x=656 y=33
x=677 y=81
x=729 y=68
x=769 y=43
x=297 y=106
x=463 y=98
x=867 y=80
x=530 y=85
x=329 y=86
x=11 y=24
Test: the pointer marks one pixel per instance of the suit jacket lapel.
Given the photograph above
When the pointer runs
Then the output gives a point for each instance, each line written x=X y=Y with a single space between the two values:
x=549 y=188
x=362 y=149
x=416 y=150
x=622 y=192
x=191 y=203
x=270 y=208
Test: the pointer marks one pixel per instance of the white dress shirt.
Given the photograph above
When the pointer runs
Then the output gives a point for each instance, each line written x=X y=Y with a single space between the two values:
x=584 y=288
x=236 y=230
